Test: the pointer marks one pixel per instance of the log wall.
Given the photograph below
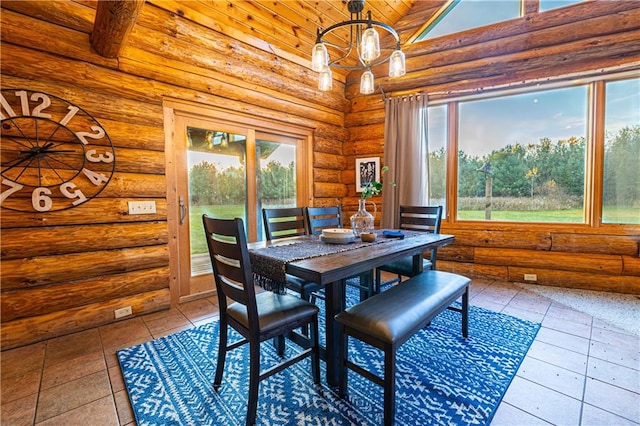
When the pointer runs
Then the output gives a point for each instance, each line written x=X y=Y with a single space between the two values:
x=584 y=39
x=69 y=270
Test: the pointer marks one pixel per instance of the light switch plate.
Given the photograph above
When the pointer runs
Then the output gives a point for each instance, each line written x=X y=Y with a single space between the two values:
x=142 y=207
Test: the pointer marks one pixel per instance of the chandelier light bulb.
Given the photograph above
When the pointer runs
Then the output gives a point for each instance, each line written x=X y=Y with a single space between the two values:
x=319 y=57
x=397 y=64
x=367 y=83
x=325 y=79
x=370 y=46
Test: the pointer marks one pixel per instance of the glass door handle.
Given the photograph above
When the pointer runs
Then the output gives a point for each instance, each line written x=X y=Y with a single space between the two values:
x=183 y=210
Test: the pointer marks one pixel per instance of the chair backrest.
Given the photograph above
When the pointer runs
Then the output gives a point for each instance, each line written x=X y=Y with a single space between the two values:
x=284 y=222
x=319 y=218
x=229 y=254
x=421 y=218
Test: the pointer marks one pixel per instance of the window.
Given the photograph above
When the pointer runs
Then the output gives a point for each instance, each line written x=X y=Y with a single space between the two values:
x=437 y=140
x=526 y=155
x=621 y=179
x=554 y=4
x=463 y=15
x=522 y=157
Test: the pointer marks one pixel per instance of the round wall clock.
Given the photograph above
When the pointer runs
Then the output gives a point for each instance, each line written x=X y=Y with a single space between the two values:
x=53 y=154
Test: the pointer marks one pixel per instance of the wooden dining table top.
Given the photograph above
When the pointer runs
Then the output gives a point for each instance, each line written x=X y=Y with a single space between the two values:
x=326 y=268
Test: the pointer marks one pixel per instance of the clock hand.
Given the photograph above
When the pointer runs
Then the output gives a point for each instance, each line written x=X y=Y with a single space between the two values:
x=21 y=160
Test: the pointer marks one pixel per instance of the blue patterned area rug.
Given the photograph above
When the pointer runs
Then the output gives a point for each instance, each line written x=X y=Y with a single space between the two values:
x=441 y=378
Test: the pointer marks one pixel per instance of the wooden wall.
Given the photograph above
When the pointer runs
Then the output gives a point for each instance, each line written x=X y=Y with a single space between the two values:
x=69 y=270
x=586 y=38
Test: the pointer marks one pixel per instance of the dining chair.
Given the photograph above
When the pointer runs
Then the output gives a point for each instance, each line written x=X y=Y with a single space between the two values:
x=289 y=222
x=257 y=317
x=414 y=218
x=319 y=218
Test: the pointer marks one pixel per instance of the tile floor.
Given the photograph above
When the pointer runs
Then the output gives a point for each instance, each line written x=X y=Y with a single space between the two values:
x=579 y=370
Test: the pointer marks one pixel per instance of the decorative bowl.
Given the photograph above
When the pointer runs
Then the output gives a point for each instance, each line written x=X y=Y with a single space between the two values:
x=368 y=237
x=338 y=233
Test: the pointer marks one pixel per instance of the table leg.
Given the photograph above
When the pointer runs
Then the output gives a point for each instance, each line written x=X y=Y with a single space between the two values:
x=334 y=305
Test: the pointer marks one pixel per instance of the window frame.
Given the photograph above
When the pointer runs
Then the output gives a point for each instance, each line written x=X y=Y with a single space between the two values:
x=594 y=156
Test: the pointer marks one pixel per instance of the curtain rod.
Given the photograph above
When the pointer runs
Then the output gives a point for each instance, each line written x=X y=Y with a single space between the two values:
x=630 y=70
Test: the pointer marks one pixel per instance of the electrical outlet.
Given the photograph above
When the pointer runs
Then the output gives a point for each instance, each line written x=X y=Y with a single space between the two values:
x=142 y=207
x=123 y=312
x=530 y=277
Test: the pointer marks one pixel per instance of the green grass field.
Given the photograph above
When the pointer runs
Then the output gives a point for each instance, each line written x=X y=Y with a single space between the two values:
x=626 y=216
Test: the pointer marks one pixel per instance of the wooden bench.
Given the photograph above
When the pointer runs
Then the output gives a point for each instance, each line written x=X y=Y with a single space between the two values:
x=390 y=318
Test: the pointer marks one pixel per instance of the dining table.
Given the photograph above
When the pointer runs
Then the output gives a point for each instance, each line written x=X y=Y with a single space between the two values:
x=329 y=265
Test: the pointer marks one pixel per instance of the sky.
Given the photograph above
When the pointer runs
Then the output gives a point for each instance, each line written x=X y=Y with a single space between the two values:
x=486 y=125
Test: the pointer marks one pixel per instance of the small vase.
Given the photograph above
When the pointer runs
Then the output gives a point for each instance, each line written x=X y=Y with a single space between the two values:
x=362 y=220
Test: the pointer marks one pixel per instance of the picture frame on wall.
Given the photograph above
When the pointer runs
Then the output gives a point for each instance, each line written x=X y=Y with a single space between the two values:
x=367 y=171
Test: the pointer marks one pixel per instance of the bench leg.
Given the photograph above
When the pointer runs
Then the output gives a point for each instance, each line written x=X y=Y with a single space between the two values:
x=343 y=354
x=389 y=385
x=465 y=313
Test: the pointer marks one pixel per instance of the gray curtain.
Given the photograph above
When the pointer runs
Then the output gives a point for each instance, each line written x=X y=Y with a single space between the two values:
x=406 y=154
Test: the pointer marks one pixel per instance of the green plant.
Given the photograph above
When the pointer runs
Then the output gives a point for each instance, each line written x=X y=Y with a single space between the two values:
x=375 y=187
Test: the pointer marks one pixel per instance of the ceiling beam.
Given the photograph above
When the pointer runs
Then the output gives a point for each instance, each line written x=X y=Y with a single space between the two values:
x=114 y=21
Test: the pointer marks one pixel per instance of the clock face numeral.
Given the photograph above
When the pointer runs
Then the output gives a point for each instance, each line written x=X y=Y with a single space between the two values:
x=53 y=154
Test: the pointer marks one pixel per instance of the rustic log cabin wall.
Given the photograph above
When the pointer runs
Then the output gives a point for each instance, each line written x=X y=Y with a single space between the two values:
x=586 y=38
x=69 y=270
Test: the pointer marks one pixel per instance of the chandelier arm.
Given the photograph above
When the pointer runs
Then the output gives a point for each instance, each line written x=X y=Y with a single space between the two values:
x=382 y=25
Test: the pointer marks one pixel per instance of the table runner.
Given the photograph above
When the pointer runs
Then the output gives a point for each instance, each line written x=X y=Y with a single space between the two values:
x=269 y=263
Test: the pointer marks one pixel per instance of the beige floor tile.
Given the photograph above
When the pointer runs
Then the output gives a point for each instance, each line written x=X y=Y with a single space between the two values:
x=564 y=340
x=561 y=357
x=552 y=377
x=123 y=407
x=524 y=314
x=593 y=416
x=72 y=346
x=70 y=395
x=541 y=402
x=613 y=399
x=19 y=412
x=114 y=335
x=116 y=379
x=561 y=311
x=567 y=326
x=167 y=332
x=199 y=310
x=617 y=375
x=508 y=415
x=617 y=339
x=158 y=325
x=621 y=356
x=65 y=371
x=14 y=362
x=18 y=386
x=95 y=413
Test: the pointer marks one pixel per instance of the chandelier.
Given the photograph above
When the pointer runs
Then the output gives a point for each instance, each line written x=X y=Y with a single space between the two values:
x=364 y=42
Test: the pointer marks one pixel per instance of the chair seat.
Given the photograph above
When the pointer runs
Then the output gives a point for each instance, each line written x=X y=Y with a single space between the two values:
x=302 y=286
x=404 y=266
x=275 y=311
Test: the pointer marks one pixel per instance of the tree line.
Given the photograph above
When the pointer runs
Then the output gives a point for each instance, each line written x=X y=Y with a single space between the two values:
x=209 y=185
x=546 y=169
